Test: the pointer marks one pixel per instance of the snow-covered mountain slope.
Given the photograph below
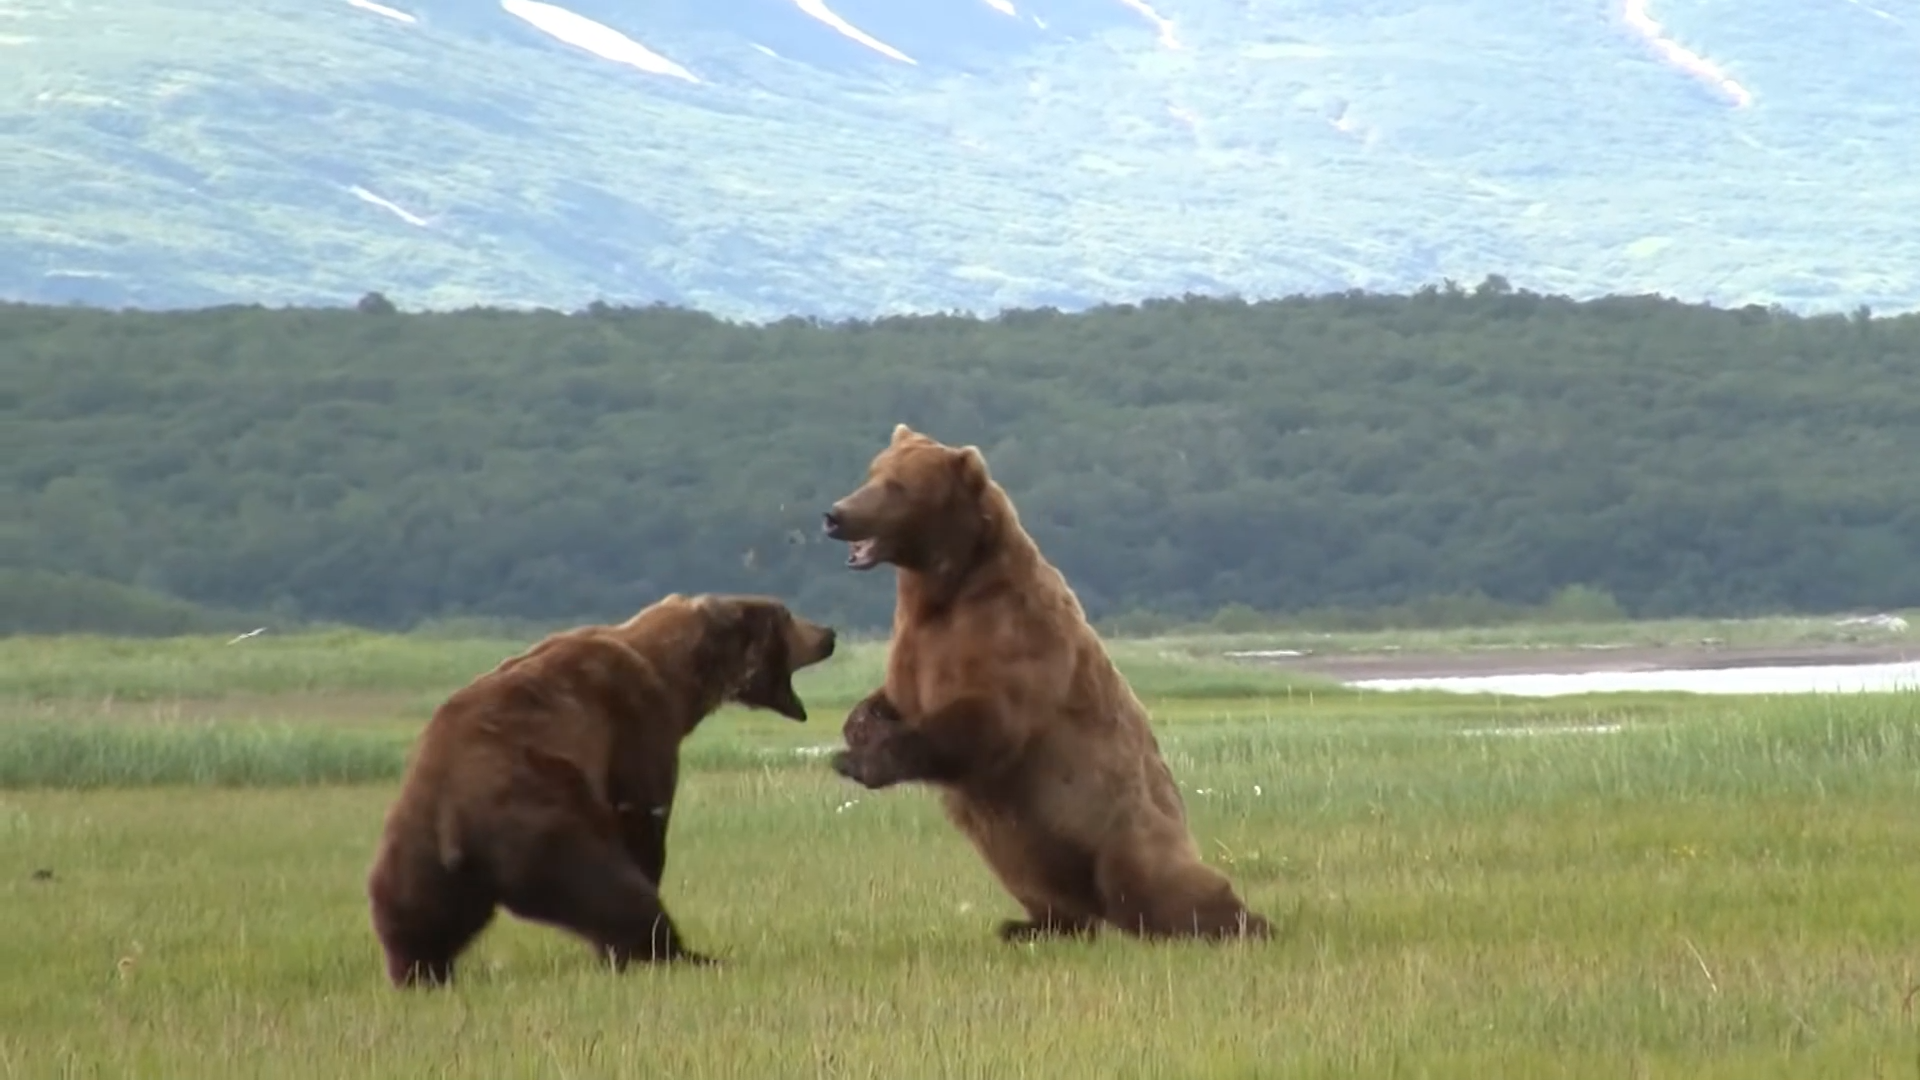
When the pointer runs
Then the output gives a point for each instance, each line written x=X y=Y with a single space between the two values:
x=836 y=157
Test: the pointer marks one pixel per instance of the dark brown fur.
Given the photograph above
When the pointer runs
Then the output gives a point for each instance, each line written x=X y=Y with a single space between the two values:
x=999 y=693
x=545 y=786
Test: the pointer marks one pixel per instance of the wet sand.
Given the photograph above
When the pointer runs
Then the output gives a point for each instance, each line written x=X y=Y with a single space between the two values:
x=1577 y=661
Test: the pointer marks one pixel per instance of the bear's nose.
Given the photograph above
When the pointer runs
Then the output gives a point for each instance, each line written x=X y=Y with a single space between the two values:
x=827 y=642
x=830 y=521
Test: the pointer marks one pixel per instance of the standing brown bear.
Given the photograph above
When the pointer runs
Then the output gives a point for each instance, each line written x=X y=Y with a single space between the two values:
x=545 y=785
x=999 y=693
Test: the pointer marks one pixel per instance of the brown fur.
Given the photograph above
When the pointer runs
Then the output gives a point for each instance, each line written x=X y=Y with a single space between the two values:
x=999 y=693
x=545 y=785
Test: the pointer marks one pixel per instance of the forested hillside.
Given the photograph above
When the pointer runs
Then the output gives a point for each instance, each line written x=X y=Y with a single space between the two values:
x=1352 y=450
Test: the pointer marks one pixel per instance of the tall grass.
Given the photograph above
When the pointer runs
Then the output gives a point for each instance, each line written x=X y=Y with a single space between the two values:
x=343 y=706
x=334 y=662
x=223 y=754
x=353 y=661
x=344 y=662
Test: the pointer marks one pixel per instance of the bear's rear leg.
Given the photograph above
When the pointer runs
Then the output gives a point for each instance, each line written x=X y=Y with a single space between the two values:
x=589 y=885
x=1188 y=901
x=422 y=935
x=430 y=966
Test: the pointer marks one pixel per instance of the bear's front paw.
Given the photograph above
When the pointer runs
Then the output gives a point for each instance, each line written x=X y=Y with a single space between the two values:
x=857 y=768
x=862 y=733
x=872 y=715
x=868 y=722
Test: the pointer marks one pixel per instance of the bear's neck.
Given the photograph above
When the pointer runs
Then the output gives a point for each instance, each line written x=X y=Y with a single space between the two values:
x=686 y=662
x=1002 y=554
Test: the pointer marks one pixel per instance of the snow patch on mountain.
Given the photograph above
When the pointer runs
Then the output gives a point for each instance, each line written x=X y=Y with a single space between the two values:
x=381 y=9
x=819 y=10
x=1683 y=58
x=1165 y=25
x=597 y=38
x=396 y=209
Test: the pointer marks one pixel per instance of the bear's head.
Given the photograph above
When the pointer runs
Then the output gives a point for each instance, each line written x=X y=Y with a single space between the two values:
x=752 y=645
x=925 y=507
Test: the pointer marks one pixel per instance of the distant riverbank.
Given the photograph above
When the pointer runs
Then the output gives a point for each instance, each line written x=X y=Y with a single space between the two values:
x=1521 y=660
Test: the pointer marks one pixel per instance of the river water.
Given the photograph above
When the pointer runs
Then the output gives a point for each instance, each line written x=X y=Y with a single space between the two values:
x=1820 y=679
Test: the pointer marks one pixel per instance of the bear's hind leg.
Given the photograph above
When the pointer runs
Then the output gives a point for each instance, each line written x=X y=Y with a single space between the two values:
x=425 y=930
x=1051 y=878
x=1183 y=901
x=590 y=886
x=427 y=960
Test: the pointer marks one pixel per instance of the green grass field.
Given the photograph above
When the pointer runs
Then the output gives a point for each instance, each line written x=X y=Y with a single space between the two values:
x=1720 y=888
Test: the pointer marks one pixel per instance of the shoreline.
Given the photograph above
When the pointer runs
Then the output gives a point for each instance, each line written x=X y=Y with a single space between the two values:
x=1352 y=666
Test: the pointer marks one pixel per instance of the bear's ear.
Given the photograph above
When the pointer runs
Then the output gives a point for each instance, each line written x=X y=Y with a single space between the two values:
x=902 y=433
x=972 y=466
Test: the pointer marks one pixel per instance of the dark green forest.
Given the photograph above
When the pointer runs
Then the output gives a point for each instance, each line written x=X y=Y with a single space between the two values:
x=1179 y=456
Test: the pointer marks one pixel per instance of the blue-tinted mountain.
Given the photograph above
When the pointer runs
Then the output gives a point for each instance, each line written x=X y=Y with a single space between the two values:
x=763 y=157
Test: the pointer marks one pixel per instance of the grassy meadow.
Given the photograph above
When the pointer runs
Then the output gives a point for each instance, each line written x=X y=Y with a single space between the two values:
x=1610 y=886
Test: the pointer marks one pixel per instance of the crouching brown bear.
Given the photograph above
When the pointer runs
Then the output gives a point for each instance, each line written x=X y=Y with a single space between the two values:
x=999 y=693
x=545 y=785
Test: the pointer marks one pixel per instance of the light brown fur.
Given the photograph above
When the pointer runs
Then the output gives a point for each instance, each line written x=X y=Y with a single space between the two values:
x=545 y=785
x=999 y=692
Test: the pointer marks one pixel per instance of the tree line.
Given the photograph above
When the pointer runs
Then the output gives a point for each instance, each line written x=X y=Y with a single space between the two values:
x=1175 y=457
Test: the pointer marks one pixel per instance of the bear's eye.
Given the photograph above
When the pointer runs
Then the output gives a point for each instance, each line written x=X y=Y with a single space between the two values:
x=895 y=487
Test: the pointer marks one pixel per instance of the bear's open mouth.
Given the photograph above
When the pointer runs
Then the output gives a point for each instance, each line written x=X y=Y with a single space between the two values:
x=863 y=554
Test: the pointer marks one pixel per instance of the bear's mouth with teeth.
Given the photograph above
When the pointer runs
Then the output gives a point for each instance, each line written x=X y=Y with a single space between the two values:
x=863 y=554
